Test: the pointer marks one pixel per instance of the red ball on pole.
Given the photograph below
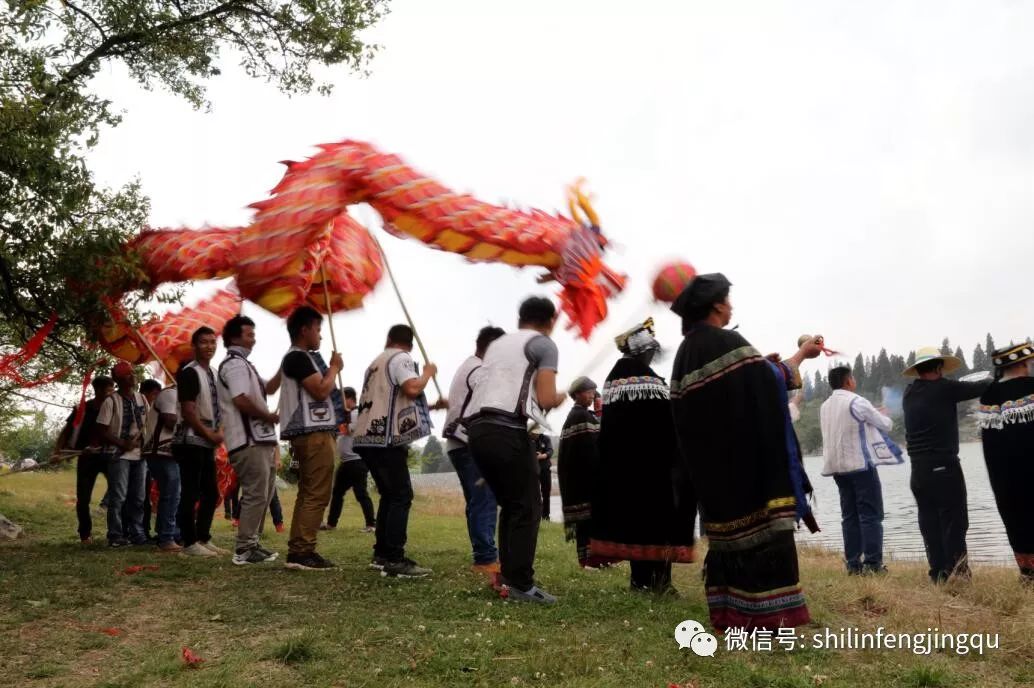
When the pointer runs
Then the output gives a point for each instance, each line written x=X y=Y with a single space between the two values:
x=671 y=280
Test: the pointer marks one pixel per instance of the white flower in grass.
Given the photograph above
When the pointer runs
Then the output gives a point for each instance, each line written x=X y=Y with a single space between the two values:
x=515 y=680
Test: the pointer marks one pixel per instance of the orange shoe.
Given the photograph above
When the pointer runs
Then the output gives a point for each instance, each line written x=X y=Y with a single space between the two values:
x=235 y=522
x=279 y=527
x=488 y=569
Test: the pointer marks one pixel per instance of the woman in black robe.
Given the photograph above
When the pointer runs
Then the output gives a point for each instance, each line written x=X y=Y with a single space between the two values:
x=643 y=507
x=732 y=419
x=1006 y=417
x=577 y=464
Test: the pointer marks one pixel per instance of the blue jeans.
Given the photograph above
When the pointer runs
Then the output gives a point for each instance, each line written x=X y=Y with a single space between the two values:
x=861 y=517
x=481 y=507
x=126 y=485
x=166 y=472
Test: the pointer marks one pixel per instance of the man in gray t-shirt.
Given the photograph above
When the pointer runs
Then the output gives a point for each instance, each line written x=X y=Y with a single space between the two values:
x=352 y=473
x=511 y=392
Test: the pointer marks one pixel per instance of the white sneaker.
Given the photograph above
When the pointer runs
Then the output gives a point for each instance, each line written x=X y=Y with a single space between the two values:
x=213 y=548
x=198 y=550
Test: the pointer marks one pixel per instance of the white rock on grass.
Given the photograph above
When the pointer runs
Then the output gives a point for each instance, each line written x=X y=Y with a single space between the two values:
x=9 y=530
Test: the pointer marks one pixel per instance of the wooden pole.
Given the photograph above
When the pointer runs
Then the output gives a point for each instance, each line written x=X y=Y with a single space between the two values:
x=330 y=314
x=153 y=353
x=405 y=311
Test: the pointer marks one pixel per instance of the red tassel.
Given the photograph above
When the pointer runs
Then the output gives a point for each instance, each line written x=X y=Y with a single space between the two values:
x=191 y=659
x=80 y=411
x=29 y=351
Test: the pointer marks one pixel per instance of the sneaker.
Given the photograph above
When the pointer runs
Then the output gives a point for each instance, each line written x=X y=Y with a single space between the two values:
x=378 y=563
x=198 y=550
x=119 y=542
x=170 y=547
x=534 y=594
x=213 y=548
x=228 y=516
x=407 y=568
x=86 y=541
x=269 y=554
x=235 y=523
x=279 y=527
x=256 y=555
x=307 y=562
x=327 y=526
x=489 y=569
x=368 y=529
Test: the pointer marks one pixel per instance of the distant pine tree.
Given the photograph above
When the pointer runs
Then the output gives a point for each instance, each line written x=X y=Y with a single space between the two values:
x=989 y=345
x=980 y=359
x=858 y=371
x=965 y=368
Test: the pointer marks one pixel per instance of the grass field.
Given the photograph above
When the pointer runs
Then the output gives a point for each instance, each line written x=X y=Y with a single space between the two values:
x=67 y=618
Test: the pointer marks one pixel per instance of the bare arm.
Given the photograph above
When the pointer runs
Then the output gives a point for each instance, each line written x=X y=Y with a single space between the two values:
x=318 y=386
x=247 y=406
x=414 y=387
x=193 y=419
x=545 y=390
x=274 y=384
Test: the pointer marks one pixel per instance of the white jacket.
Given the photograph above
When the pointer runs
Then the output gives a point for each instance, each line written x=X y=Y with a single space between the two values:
x=854 y=435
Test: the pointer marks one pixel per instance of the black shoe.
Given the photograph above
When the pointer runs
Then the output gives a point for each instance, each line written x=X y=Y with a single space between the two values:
x=407 y=568
x=378 y=563
x=875 y=571
x=119 y=542
x=307 y=562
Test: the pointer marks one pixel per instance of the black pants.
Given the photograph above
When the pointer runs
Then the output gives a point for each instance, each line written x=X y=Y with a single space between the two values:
x=391 y=476
x=546 y=484
x=506 y=458
x=87 y=468
x=198 y=486
x=351 y=475
x=940 y=492
x=653 y=576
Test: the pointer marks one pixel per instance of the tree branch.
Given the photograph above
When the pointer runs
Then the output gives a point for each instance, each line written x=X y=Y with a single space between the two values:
x=88 y=16
x=109 y=44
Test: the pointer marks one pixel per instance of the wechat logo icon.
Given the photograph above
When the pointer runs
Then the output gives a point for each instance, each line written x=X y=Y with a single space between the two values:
x=691 y=634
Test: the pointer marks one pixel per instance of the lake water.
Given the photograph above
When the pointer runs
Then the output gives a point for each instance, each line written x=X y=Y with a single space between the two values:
x=901 y=540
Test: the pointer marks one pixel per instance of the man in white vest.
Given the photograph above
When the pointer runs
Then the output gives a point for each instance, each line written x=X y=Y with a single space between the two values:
x=854 y=442
x=393 y=413
x=121 y=423
x=311 y=409
x=481 y=504
x=250 y=429
x=159 y=428
x=517 y=384
x=194 y=445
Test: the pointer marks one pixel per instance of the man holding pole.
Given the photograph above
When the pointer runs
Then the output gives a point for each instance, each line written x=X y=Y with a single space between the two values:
x=393 y=413
x=311 y=409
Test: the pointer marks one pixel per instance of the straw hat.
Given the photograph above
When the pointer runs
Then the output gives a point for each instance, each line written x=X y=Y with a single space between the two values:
x=932 y=353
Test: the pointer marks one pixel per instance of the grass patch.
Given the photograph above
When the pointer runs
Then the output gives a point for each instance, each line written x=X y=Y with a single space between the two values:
x=296 y=650
x=68 y=618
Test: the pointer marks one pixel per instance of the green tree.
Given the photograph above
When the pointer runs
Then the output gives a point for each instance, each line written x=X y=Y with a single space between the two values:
x=980 y=359
x=433 y=458
x=60 y=233
x=31 y=437
x=882 y=375
x=858 y=371
x=965 y=368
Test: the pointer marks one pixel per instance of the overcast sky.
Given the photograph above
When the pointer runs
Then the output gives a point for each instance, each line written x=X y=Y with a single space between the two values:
x=863 y=170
